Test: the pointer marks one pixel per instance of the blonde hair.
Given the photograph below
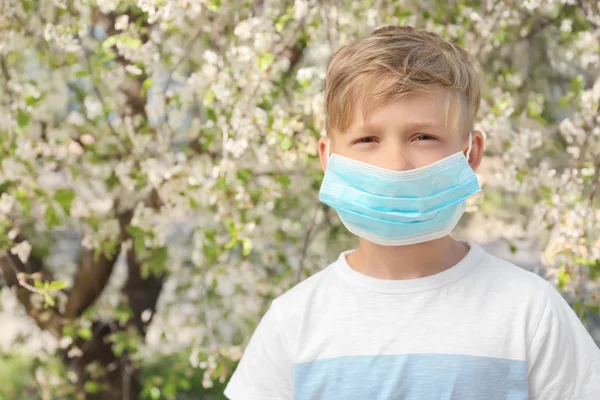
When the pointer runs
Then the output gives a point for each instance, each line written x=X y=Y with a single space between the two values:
x=391 y=63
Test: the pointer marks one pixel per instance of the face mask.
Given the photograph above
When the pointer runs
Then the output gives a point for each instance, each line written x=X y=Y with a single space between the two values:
x=395 y=208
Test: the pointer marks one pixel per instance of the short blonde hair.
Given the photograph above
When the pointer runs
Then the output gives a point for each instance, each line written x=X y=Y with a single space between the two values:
x=393 y=62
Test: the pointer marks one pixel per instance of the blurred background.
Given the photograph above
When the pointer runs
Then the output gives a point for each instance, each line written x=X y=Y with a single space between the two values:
x=159 y=173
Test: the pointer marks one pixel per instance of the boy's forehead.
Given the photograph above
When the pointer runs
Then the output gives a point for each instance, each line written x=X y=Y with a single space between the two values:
x=435 y=108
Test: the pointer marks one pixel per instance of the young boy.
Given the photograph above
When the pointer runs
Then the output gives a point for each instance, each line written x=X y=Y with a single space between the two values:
x=412 y=313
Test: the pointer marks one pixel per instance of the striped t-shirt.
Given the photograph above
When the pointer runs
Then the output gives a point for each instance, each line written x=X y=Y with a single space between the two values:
x=482 y=329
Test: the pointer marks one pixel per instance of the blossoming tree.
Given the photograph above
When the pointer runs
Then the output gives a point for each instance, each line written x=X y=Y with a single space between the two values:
x=172 y=144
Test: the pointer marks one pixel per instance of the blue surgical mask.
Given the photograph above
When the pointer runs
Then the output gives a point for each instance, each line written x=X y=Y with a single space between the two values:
x=395 y=208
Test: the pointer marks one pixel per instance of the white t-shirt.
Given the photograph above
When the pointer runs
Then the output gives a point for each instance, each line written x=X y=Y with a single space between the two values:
x=482 y=329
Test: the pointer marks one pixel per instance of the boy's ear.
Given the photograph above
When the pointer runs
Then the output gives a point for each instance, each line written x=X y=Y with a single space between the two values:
x=323 y=152
x=476 y=149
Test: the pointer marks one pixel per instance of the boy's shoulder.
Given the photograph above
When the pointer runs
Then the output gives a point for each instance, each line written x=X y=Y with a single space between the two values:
x=308 y=288
x=502 y=273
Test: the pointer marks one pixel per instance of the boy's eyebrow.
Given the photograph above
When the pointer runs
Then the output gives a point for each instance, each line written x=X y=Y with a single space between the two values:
x=411 y=126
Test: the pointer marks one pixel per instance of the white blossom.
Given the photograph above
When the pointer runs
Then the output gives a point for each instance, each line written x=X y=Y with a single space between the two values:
x=7 y=202
x=122 y=22
x=243 y=30
x=22 y=250
x=301 y=9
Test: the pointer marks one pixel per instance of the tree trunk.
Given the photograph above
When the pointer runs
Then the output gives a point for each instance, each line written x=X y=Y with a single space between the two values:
x=99 y=370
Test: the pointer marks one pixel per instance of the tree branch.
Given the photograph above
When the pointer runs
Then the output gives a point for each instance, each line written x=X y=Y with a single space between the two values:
x=46 y=318
x=595 y=185
x=307 y=239
x=7 y=77
x=588 y=12
x=90 y=280
x=142 y=293
x=99 y=96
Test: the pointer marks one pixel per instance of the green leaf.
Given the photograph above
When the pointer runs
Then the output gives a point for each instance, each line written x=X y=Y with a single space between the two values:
x=232 y=243
x=72 y=58
x=547 y=193
x=139 y=246
x=280 y=24
x=533 y=109
x=135 y=231
x=4 y=186
x=22 y=198
x=213 y=5
x=520 y=176
x=244 y=175
x=74 y=171
x=107 y=57
x=284 y=180
x=265 y=61
x=563 y=278
x=500 y=36
x=564 y=101
x=584 y=261
x=49 y=300
x=579 y=308
x=112 y=180
x=51 y=217
x=84 y=333
x=31 y=100
x=91 y=387
x=38 y=284
x=67 y=331
x=210 y=114
x=208 y=141
x=231 y=227
x=169 y=390
x=185 y=384
x=132 y=43
x=546 y=190
x=210 y=235
x=22 y=118
x=110 y=42
x=57 y=285
x=64 y=197
x=119 y=348
x=27 y=5
x=124 y=314
x=109 y=248
x=158 y=258
x=287 y=143
x=208 y=99
x=246 y=246
x=577 y=84
x=145 y=86
x=155 y=393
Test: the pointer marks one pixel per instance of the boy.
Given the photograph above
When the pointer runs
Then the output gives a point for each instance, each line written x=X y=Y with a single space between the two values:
x=412 y=313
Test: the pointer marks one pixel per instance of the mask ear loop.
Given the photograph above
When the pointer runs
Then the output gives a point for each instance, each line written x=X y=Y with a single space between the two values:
x=470 y=145
x=328 y=147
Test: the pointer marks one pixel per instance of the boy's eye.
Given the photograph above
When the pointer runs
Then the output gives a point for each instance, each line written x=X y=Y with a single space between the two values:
x=366 y=140
x=423 y=137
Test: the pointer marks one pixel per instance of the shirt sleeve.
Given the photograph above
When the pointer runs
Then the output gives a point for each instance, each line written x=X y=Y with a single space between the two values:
x=564 y=361
x=265 y=369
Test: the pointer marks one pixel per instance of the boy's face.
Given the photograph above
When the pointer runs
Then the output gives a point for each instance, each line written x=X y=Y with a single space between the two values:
x=412 y=132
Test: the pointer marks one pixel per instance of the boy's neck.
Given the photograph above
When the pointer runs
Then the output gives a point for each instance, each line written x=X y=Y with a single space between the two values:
x=407 y=262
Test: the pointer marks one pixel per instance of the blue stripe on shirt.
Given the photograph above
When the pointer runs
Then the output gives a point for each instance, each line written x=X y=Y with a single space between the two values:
x=411 y=377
